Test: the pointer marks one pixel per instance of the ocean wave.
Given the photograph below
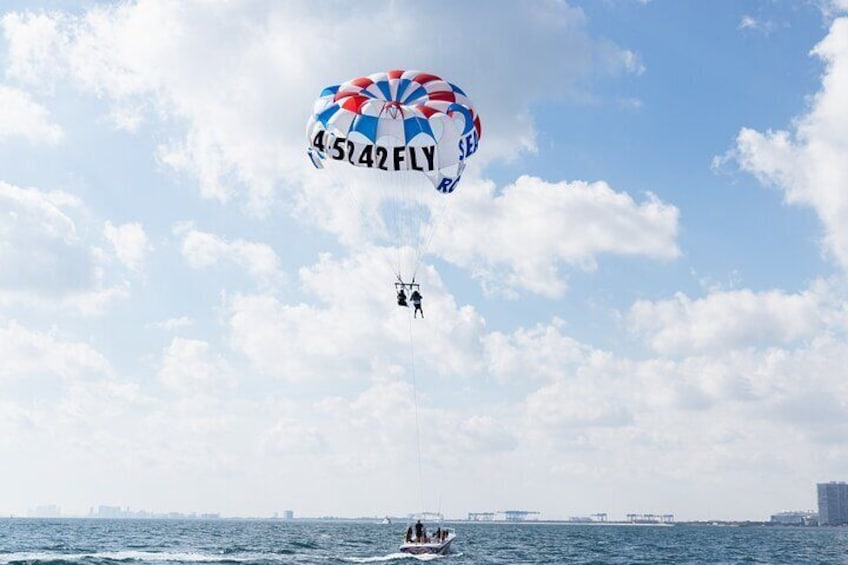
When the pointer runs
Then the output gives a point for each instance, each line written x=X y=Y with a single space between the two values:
x=56 y=558
x=392 y=557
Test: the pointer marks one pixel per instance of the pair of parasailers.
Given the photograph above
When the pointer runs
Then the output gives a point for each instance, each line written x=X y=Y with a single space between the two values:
x=415 y=298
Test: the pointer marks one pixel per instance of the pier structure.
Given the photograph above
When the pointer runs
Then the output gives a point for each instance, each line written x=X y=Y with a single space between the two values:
x=650 y=518
x=591 y=518
x=517 y=515
x=481 y=516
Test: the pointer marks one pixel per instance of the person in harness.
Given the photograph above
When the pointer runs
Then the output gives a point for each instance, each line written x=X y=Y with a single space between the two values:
x=401 y=298
x=416 y=301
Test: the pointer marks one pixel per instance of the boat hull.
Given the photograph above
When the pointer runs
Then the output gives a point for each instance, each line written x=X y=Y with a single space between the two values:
x=426 y=548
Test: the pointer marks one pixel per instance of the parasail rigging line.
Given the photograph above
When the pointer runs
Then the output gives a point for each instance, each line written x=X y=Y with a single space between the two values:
x=417 y=421
x=424 y=246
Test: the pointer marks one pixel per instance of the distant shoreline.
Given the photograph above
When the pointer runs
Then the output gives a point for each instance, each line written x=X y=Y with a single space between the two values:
x=377 y=521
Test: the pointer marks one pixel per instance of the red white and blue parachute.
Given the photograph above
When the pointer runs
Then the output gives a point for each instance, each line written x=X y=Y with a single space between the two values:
x=396 y=121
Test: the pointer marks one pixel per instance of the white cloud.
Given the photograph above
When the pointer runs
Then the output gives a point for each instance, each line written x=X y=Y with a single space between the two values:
x=120 y=424
x=35 y=45
x=520 y=237
x=551 y=394
x=599 y=408
x=751 y=23
x=833 y=8
x=45 y=259
x=39 y=244
x=355 y=326
x=581 y=404
x=173 y=323
x=809 y=164
x=28 y=354
x=130 y=243
x=540 y=353
x=288 y=436
x=726 y=413
x=533 y=227
x=726 y=320
x=559 y=410
x=204 y=250
x=190 y=366
x=748 y=22
x=390 y=398
x=21 y=117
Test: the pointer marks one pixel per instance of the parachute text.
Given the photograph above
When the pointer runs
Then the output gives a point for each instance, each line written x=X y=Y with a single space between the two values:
x=398 y=158
x=448 y=184
x=468 y=145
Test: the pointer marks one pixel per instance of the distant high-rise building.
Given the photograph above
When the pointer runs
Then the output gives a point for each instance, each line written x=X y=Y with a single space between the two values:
x=288 y=515
x=833 y=503
x=48 y=511
x=108 y=511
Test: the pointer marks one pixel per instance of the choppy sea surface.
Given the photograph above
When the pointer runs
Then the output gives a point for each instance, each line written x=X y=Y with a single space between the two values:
x=242 y=542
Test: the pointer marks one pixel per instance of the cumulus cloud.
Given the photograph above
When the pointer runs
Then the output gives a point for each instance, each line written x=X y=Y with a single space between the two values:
x=190 y=366
x=127 y=427
x=21 y=117
x=565 y=394
x=603 y=408
x=539 y=353
x=29 y=354
x=204 y=250
x=40 y=247
x=745 y=409
x=808 y=163
x=580 y=404
x=533 y=227
x=173 y=323
x=355 y=324
x=833 y=8
x=45 y=258
x=556 y=409
x=288 y=436
x=130 y=243
x=725 y=320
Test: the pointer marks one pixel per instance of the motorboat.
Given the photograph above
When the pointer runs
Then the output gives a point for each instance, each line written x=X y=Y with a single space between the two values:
x=419 y=540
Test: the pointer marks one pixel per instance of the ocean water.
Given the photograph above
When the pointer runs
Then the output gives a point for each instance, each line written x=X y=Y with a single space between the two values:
x=241 y=542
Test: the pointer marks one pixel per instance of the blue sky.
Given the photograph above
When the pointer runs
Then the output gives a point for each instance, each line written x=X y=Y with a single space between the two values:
x=635 y=299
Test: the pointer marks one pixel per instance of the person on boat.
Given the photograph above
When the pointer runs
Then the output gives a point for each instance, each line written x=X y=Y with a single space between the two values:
x=401 y=298
x=439 y=534
x=409 y=534
x=416 y=301
x=419 y=531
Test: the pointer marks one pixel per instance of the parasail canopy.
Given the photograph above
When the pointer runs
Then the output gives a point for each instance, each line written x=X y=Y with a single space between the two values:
x=396 y=121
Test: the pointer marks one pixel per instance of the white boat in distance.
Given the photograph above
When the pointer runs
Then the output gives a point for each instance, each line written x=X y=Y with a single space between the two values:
x=419 y=541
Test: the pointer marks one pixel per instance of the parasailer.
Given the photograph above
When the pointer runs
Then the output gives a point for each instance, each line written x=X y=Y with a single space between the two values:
x=416 y=302
x=406 y=126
